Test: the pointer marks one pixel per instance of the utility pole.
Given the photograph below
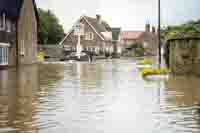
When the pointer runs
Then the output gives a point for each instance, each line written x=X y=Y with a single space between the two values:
x=159 y=36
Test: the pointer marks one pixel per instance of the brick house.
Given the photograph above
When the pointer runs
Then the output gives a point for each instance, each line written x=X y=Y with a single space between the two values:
x=18 y=32
x=97 y=36
x=147 y=38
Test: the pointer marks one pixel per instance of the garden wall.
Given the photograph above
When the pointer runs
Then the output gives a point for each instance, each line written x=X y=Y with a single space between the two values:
x=184 y=55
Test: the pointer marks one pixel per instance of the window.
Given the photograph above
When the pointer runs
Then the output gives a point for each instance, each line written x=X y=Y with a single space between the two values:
x=1 y=22
x=22 y=49
x=13 y=28
x=89 y=36
x=4 y=54
x=93 y=49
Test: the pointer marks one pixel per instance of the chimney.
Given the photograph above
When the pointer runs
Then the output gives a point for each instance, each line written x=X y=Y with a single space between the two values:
x=98 y=17
x=147 y=27
x=153 y=30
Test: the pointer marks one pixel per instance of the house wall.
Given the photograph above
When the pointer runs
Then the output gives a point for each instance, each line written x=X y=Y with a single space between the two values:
x=150 y=42
x=126 y=43
x=96 y=43
x=27 y=37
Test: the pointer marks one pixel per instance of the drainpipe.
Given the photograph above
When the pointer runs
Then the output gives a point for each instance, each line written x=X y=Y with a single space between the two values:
x=159 y=36
x=17 y=47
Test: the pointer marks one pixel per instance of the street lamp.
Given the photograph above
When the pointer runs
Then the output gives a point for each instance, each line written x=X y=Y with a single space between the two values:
x=159 y=36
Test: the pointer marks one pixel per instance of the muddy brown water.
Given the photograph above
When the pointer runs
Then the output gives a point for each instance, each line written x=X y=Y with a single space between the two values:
x=102 y=97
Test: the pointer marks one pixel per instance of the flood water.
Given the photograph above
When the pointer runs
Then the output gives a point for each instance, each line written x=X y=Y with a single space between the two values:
x=102 y=97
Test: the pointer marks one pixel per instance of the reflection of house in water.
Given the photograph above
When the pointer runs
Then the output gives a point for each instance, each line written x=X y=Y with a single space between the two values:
x=90 y=74
x=17 y=98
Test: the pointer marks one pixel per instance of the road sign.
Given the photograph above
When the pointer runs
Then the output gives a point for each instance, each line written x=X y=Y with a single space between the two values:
x=79 y=29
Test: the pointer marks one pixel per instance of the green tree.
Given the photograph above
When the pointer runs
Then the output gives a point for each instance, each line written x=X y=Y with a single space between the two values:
x=189 y=27
x=50 y=31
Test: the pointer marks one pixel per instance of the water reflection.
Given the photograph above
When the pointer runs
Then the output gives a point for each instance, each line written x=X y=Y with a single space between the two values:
x=18 y=104
x=183 y=91
x=20 y=99
x=108 y=96
x=182 y=103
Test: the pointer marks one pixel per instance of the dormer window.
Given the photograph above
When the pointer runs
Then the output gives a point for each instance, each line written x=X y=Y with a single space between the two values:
x=89 y=36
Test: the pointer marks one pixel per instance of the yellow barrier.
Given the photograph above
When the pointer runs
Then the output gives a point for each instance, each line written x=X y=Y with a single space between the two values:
x=155 y=71
x=40 y=56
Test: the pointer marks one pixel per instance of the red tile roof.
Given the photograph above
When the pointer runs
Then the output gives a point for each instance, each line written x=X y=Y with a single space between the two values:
x=131 y=35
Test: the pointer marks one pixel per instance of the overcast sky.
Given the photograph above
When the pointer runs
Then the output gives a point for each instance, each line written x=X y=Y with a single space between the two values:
x=128 y=14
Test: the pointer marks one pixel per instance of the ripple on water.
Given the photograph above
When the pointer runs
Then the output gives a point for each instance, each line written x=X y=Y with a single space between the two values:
x=106 y=96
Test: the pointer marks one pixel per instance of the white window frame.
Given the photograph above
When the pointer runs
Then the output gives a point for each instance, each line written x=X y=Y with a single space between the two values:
x=4 y=53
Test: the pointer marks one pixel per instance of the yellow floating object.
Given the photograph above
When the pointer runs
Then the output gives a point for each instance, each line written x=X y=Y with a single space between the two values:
x=40 y=56
x=155 y=71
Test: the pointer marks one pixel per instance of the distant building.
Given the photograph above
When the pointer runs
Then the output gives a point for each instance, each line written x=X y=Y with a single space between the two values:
x=147 y=38
x=116 y=40
x=97 y=36
x=18 y=32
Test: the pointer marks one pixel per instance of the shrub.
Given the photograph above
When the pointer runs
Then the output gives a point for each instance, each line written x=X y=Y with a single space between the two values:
x=145 y=62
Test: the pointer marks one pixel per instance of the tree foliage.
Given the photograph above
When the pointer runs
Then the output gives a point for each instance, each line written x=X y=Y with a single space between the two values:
x=189 y=27
x=50 y=31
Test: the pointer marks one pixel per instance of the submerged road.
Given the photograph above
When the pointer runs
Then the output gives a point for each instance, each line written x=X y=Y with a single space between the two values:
x=107 y=96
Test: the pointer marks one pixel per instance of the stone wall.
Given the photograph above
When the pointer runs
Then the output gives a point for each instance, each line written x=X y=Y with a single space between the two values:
x=53 y=52
x=184 y=55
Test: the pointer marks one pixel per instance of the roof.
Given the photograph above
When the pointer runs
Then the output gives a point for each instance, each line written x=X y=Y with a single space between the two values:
x=99 y=28
x=12 y=8
x=131 y=35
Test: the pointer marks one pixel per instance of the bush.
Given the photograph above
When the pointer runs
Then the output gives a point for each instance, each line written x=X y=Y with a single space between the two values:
x=145 y=62
x=138 y=49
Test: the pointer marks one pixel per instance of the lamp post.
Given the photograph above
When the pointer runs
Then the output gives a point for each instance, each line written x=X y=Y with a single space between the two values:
x=159 y=36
